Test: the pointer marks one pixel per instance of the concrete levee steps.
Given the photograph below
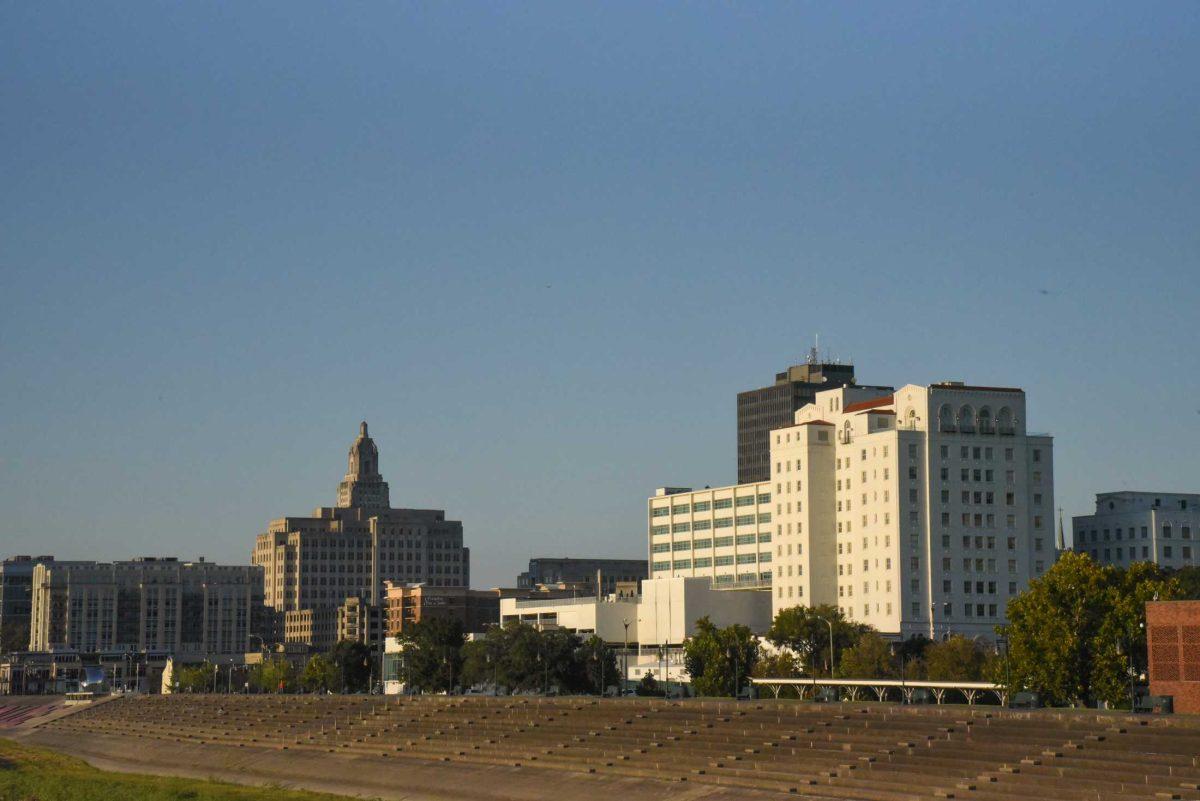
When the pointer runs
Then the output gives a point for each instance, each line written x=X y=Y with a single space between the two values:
x=850 y=751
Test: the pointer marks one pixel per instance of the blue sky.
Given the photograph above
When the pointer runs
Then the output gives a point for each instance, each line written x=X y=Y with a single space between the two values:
x=541 y=246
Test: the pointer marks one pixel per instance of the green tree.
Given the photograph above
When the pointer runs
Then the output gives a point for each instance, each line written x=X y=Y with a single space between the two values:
x=353 y=661
x=600 y=665
x=779 y=665
x=1120 y=645
x=194 y=678
x=913 y=648
x=477 y=665
x=321 y=675
x=956 y=658
x=648 y=686
x=275 y=675
x=869 y=658
x=1188 y=579
x=567 y=661
x=433 y=654
x=805 y=630
x=720 y=660
x=520 y=657
x=1072 y=635
x=521 y=660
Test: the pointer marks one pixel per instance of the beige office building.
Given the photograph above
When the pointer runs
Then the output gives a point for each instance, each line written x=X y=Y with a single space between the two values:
x=921 y=511
x=312 y=565
x=191 y=610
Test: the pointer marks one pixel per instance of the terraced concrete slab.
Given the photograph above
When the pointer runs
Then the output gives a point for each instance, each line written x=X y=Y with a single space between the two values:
x=373 y=777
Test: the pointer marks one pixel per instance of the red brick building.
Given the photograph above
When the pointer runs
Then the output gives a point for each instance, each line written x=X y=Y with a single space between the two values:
x=1173 y=640
x=408 y=604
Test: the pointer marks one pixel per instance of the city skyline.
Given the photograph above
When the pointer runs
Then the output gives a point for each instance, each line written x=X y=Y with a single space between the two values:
x=541 y=250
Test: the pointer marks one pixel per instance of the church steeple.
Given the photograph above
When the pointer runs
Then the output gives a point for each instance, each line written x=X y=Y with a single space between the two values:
x=363 y=485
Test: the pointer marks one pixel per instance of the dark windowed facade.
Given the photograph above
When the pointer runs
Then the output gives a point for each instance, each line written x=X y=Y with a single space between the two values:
x=581 y=573
x=759 y=411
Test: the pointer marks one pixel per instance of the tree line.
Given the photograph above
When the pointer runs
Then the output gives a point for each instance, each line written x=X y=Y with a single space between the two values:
x=347 y=668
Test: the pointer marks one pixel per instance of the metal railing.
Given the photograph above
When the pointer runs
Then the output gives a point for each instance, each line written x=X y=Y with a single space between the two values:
x=970 y=690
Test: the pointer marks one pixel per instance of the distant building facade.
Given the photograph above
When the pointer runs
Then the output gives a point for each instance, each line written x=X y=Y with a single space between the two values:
x=922 y=511
x=723 y=534
x=761 y=411
x=581 y=573
x=312 y=565
x=409 y=604
x=192 y=610
x=1130 y=527
x=16 y=598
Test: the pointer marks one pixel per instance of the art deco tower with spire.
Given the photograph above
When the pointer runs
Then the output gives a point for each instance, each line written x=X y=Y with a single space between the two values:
x=363 y=487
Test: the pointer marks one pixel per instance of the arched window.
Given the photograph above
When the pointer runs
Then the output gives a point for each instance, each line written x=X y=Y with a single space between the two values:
x=966 y=418
x=1004 y=420
x=846 y=431
x=945 y=418
x=985 y=420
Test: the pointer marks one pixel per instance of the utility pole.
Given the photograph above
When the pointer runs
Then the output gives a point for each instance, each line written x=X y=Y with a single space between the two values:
x=625 y=659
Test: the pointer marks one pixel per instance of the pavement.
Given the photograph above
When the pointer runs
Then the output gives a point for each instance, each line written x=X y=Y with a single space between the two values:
x=367 y=776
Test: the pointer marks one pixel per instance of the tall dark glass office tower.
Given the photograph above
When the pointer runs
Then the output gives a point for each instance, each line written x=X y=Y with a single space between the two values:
x=761 y=410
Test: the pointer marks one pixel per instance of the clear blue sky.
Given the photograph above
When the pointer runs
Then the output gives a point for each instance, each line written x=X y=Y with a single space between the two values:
x=541 y=246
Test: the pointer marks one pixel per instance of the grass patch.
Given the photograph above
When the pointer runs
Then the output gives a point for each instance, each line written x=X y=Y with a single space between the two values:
x=36 y=774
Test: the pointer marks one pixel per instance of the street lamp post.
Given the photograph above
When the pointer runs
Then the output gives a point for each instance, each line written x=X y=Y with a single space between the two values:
x=662 y=661
x=831 y=652
x=545 y=673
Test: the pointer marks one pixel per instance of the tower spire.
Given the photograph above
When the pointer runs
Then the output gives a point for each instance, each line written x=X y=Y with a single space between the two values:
x=363 y=485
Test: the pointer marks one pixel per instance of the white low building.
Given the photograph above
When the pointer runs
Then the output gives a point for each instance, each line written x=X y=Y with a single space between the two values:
x=654 y=624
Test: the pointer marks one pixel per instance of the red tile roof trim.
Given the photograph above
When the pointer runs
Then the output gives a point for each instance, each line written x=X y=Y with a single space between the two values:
x=887 y=400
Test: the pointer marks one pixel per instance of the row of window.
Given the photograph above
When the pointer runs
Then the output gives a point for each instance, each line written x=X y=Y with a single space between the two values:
x=1185 y=532
x=719 y=561
x=705 y=544
x=706 y=525
x=1168 y=553
x=704 y=506
x=988 y=520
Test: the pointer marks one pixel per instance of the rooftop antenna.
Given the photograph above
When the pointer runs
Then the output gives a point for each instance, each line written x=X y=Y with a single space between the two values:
x=814 y=354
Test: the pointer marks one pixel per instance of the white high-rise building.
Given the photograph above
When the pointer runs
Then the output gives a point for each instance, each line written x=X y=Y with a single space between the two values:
x=922 y=511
